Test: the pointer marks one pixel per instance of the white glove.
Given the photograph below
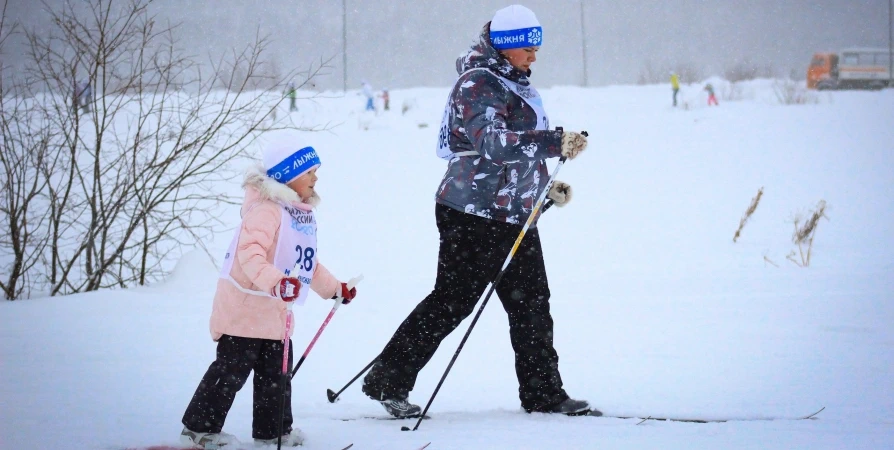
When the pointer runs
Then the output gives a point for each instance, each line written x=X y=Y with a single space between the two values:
x=572 y=144
x=560 y=193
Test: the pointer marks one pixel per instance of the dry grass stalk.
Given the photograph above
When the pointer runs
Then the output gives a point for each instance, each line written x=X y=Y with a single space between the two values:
x=749 y=212
x=803 y=235
x=791 y=257
x=806 y=232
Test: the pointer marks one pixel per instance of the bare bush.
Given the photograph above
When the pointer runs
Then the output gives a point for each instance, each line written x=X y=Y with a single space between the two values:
x=110 y=196
x=22 y=151
x=732 y=92
x=747 y=70
x=650 y=74
x=790 y=92
x=688 y=72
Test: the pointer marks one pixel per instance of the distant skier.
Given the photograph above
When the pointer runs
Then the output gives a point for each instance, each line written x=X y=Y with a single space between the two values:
x=271 y=260
x=292 y=94
x=386 y=99
x=368 y=93
x=675 y=85
x=711 y=97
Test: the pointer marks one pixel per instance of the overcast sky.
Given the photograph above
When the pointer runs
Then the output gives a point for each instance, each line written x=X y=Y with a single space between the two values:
x=403 y=44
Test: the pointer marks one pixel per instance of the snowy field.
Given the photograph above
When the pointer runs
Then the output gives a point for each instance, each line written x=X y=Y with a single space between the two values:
x=657 y=311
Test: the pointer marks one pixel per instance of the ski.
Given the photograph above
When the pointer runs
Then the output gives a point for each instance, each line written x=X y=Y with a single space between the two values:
x=641 y=419
x=701 y=420
x=179 y=447
x=161 y=447
x=187 y=447
x=183 y=447
x=349 y=419
x=424 y=446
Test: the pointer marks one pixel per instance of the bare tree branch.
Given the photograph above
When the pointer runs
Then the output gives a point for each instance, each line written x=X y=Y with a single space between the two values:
x=122 y=177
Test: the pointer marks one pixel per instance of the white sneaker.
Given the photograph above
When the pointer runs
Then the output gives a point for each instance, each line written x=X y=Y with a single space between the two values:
x=208 y=441
x=293 y=439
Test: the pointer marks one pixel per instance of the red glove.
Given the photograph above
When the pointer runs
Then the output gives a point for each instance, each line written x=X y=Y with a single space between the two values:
x=344 y=294
x=287 y=289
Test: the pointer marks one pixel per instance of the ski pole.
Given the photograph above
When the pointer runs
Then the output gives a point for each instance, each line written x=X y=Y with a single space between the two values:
x=493 y=286
x=333 y=396
x=353 y=282
x=285 y=371
x=285 y=358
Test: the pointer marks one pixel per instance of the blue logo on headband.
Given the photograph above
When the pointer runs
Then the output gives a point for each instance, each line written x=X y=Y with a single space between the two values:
x=294 y=166
x=523 y=37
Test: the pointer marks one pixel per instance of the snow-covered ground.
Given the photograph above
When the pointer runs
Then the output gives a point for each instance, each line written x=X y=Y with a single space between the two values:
x=657 y=311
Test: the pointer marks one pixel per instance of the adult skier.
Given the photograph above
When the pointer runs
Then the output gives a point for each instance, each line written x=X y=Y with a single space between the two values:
x=495 y=134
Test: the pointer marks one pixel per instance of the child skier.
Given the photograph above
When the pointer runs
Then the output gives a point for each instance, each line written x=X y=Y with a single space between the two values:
x=271 y=260
x=386 y=99
x=711 y=98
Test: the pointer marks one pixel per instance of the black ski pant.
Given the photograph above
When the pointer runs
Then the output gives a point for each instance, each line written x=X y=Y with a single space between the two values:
x=236 y=358
x=472 y=250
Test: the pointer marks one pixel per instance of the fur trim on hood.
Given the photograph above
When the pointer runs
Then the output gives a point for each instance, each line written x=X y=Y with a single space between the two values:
x=270 y=189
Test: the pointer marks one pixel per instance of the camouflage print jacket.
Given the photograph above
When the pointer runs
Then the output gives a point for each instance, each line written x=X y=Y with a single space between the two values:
x=503 y=180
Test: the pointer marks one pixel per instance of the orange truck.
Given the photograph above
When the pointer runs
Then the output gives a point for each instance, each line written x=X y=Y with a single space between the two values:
x=853 y=68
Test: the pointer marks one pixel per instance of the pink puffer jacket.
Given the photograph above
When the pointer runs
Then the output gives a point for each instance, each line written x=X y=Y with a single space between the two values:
x=236 y=313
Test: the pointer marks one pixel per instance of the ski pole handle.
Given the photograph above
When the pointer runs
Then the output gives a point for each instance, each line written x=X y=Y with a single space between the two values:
x=562 y=129
x=350 y=284
x=353 y=282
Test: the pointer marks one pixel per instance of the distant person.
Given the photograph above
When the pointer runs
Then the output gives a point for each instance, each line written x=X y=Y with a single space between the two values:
x=386 y=99
x=87 y=96
x=711 y=97
x=496 y=132
x=271 y=260
x=82 y=96
x=675 y=85
x=292 y=94
x=370 y=96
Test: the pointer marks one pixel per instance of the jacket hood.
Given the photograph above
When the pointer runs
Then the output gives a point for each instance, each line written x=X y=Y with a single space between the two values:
x=266 y=188
x=483 y=55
